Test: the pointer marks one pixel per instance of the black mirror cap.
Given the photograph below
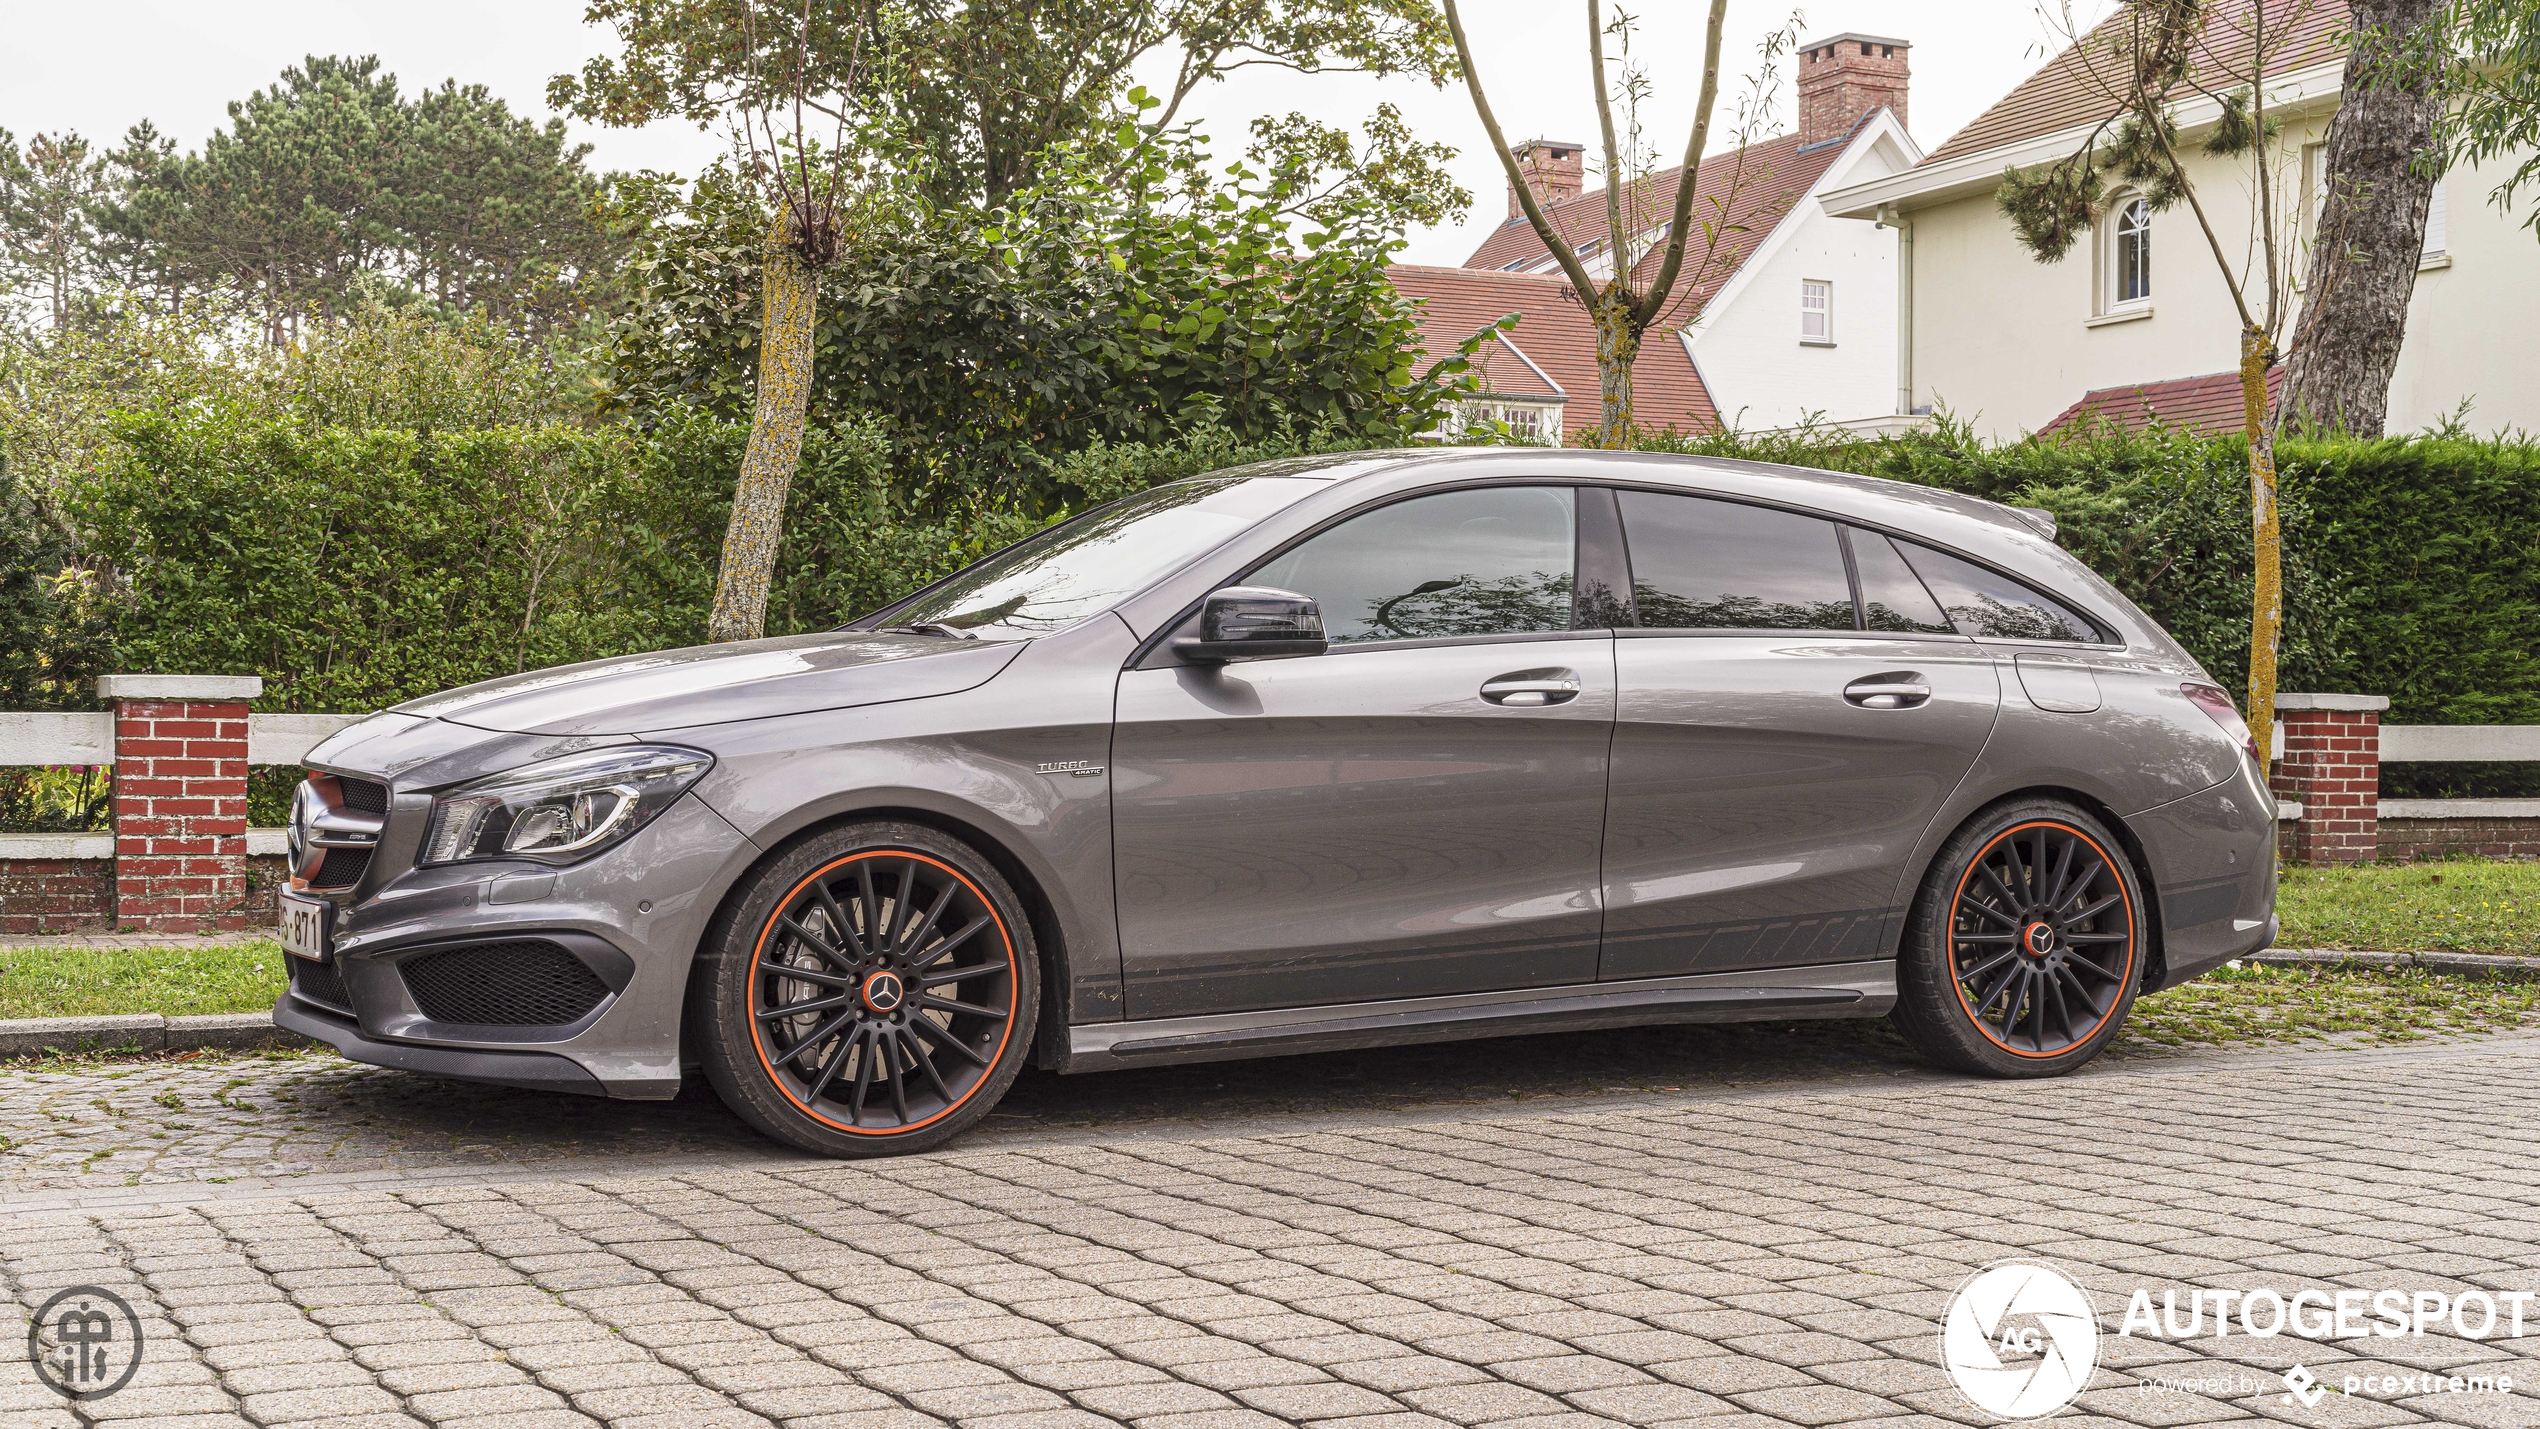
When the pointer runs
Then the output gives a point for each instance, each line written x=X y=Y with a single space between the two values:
x=1254 y=623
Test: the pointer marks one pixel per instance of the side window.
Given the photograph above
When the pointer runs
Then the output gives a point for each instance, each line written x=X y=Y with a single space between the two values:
x=1491 y=561
x=1982 y=603
x=1699 y=564
x=1892 y=596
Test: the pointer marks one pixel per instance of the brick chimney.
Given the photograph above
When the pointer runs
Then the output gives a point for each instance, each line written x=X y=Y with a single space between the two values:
x=1845 y=77
x=1554 y=169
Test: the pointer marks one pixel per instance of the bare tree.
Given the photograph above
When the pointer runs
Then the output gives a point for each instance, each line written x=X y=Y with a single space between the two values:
x=2383 y=159
x=2144 y=63
x=1621 y=307
x=775 y=71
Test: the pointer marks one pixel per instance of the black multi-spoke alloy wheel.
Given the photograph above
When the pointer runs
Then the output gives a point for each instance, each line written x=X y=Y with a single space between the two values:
x=871 y=991
x=2025 y=948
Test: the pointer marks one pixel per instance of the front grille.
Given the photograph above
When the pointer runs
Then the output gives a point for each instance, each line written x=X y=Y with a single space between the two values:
x=363 y=796
x=524 y=983
x=341 y=868
x=320 y=983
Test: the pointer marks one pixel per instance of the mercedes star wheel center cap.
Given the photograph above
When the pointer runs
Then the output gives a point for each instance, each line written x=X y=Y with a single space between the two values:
x=883 y=992
x=2039 y=938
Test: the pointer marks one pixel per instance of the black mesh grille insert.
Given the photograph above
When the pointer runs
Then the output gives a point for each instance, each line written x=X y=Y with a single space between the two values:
x=525 y=983
x=341 y=868
x=319 y=982
x=363 y=796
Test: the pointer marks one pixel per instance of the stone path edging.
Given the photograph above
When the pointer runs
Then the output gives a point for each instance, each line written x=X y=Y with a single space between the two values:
x=143 y=1032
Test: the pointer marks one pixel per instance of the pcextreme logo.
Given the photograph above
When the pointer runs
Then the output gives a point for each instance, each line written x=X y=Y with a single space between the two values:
x=2019 y=1339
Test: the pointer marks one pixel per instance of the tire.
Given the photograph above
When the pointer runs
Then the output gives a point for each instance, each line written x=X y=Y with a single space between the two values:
x=1974 y=991
x=917 y=982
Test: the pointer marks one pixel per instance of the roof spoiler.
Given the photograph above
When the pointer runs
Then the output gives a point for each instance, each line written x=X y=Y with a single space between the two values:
x=2039 y=517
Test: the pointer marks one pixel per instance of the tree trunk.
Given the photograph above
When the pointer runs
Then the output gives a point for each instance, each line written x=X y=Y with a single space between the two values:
x=2371 y=229
x=2266 y=605
x=776 y=442
x=1617 y=347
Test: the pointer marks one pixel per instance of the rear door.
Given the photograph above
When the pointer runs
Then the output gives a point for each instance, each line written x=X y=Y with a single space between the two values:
x=1794 y=708
x=1417 y=812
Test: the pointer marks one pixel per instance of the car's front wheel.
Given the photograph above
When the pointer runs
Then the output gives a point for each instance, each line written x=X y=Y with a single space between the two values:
x=2025 y=947
x=871 y=991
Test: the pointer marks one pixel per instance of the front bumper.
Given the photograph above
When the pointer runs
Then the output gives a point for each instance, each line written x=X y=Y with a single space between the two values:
x=633 y=915
x=539 y=1071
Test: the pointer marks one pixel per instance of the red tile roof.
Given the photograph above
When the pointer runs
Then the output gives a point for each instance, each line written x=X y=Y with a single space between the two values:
x=1769 y=179
x=2078 y=86
x=1554 y=331
x=2210 y=405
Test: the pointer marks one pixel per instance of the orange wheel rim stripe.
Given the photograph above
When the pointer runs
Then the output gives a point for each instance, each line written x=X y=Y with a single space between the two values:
x=2125 y=978
x=1014 y=985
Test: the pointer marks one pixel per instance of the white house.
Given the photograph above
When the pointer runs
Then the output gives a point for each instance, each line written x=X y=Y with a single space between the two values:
x=1798 y=318
x=2137 y=321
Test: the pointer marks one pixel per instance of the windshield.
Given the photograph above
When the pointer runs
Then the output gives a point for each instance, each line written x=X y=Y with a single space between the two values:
x=1084 y=566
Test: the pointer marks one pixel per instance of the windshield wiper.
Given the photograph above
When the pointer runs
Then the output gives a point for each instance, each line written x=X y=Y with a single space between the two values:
x=932 y=627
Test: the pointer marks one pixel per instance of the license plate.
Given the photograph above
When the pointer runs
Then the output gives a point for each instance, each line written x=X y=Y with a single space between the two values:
x=304 y=927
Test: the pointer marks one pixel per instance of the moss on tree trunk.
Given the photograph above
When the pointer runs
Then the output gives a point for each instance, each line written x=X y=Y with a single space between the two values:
x=776 y=442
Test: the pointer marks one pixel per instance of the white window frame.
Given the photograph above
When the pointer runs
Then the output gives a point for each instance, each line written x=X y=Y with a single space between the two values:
x=2112 y=273
x=1823 y=311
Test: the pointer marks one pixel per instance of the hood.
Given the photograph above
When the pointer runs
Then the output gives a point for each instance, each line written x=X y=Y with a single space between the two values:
x=718 y=684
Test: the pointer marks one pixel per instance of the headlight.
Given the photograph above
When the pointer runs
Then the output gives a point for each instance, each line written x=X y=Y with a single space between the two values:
x=563 y=809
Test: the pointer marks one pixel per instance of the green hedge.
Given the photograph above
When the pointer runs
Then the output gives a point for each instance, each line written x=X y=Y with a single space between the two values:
x=355 y=569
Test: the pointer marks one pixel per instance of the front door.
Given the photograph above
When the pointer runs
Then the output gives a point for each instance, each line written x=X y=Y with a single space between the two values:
x=1781 y=745
x=1417 y=812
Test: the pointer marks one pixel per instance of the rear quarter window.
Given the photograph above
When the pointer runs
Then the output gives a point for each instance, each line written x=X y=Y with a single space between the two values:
x=1990 y=605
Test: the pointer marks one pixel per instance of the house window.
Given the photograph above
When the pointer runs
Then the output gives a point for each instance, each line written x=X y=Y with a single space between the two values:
x=2130 y=254
x=1816 y=312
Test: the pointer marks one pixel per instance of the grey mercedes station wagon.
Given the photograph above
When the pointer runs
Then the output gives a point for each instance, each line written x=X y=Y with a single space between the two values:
x=1302 y=756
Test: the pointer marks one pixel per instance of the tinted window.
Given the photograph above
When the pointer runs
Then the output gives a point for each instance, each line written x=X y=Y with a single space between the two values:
x=1892 y=596
x=1494 y=561
x=1086 y=565
x=1699 y=564
x=1980 y=602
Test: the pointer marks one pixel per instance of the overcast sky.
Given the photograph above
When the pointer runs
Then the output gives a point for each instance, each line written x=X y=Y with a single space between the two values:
x=179 y=62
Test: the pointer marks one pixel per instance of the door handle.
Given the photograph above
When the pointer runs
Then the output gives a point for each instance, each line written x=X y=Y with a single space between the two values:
x=1532 y=687
x=1888 y=692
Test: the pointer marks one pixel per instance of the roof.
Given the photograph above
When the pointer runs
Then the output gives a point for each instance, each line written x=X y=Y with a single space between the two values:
x=1777 y=174
x=2210 y=405
x=2074 y=87
x=1552 y=350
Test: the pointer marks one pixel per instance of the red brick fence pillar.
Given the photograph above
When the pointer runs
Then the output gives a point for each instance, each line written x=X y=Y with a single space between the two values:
x=2331 y=765
x=180 y=805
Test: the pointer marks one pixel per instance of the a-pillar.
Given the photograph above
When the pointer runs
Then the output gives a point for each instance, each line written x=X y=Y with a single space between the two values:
x=180 y=804
x=2331 y=766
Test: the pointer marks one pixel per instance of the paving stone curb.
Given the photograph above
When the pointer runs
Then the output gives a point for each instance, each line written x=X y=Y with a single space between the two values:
x=143 y=1032
x=2489 y=963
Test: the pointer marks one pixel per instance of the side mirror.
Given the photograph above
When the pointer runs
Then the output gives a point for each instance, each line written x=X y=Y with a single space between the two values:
x=1254 y=623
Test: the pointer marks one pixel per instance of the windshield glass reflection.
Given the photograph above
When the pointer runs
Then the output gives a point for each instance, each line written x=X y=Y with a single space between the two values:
x=1084 y=566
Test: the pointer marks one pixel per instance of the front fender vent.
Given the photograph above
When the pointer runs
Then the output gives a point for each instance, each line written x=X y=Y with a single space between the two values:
x=525 y=982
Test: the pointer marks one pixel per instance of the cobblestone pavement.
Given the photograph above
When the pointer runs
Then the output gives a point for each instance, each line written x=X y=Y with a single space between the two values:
x=1736 y=1252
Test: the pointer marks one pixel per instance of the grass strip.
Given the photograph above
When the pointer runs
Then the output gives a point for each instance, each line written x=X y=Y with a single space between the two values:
x=2456 y=905
x=176 y=981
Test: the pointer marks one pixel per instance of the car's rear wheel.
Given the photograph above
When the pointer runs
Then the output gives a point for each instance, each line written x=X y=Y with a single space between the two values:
x=2025 y=947
x=871 y=991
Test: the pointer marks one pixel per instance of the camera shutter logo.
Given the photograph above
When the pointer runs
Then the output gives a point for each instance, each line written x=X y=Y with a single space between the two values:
x=2020 y=1339
x=85 y=1343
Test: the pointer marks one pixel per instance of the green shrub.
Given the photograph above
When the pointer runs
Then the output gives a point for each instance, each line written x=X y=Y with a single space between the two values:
x=356 y=569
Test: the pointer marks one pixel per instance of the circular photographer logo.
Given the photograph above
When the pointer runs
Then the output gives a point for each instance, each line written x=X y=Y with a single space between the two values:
x=2020 y=1339
x=85 y=1342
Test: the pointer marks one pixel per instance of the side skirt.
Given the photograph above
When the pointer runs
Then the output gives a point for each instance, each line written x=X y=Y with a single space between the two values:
x=1831 y=990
